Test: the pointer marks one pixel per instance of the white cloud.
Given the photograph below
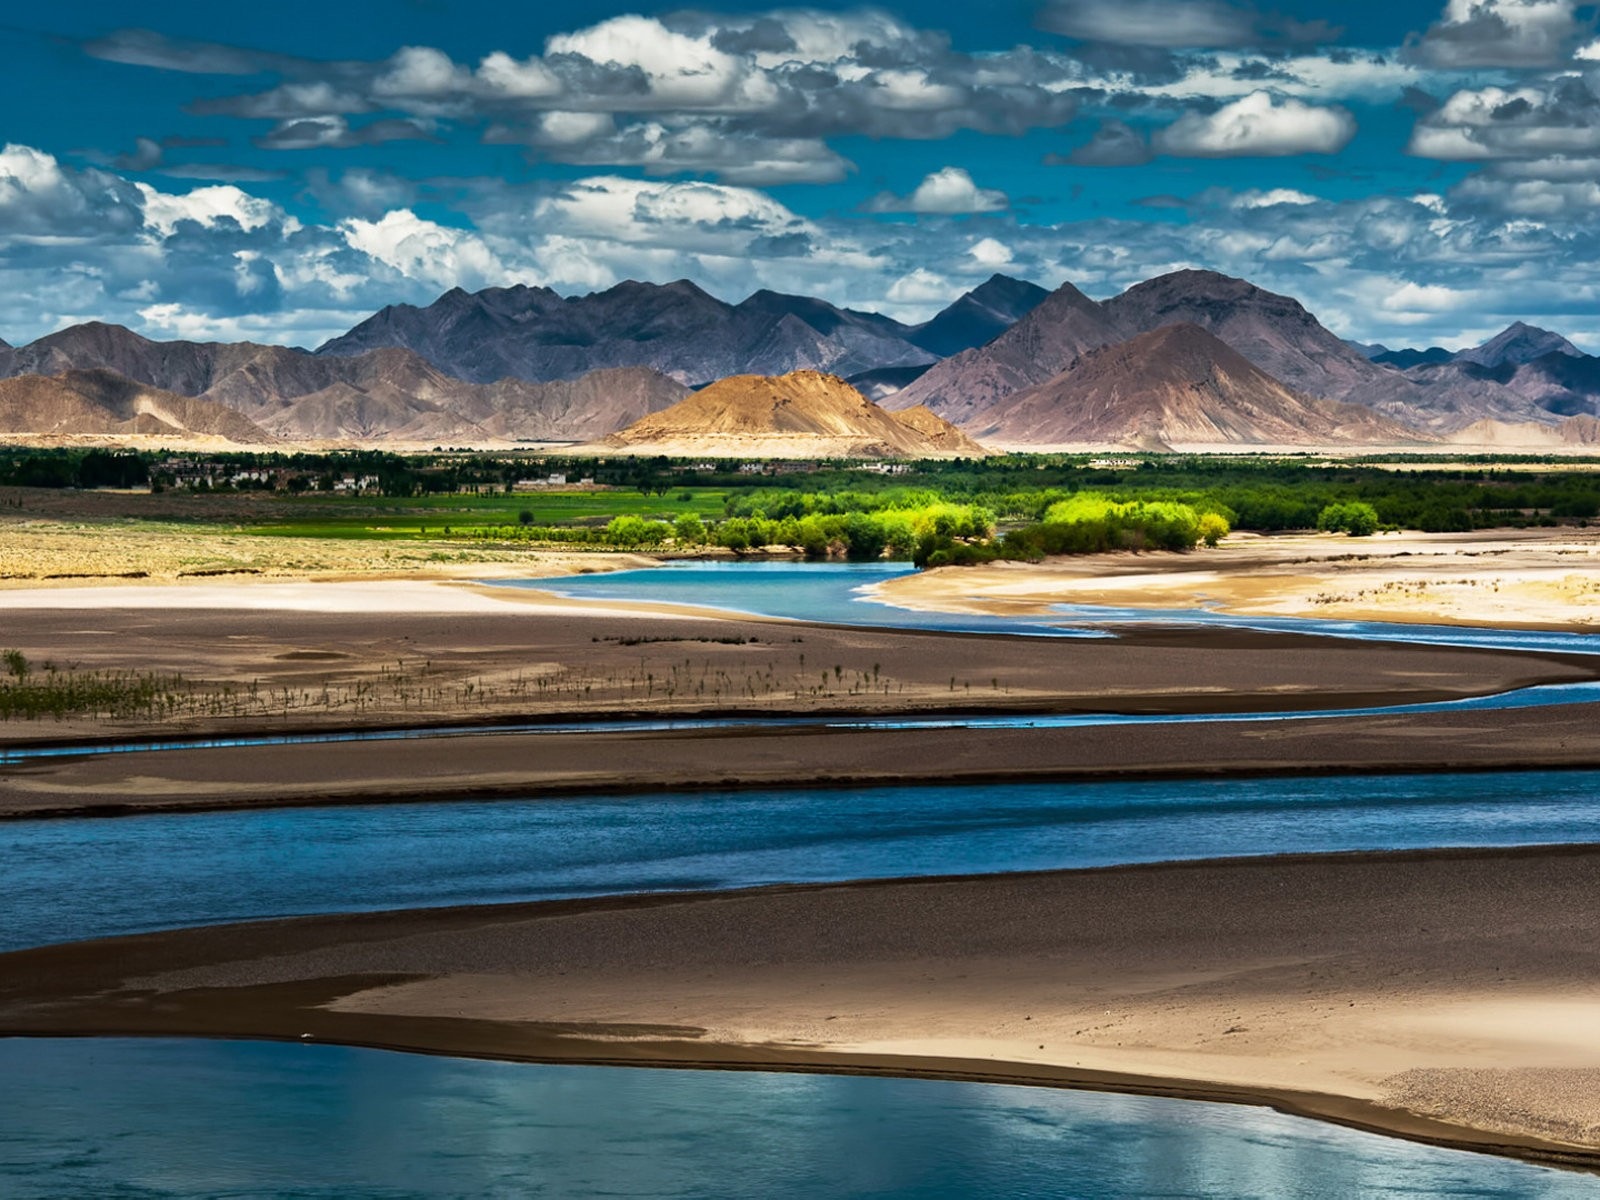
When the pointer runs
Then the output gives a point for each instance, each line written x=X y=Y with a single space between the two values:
x=921 y=287
x=683 y=70
x=948 y=192
x=1433 y=298
x=519 y=79
x=571 y=128
x=1257 y=125
x=207 y=206
x=422 y=249
x=1271 y=198
x=990 y=252
x=1499 y=33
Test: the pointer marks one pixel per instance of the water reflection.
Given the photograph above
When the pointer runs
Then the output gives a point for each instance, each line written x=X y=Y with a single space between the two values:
x=63 y=880
x=204 y=1119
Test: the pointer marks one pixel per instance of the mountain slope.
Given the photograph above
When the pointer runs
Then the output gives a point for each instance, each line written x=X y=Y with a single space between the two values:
x=1178 y=385
x=388 y=394
x=1274 y=332
x=104 y=404
x=980 y=316
x=963 y=389
x=804 y=414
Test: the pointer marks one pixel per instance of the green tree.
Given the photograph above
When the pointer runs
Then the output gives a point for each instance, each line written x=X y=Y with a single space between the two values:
x=689 y=530
x=1354 y=517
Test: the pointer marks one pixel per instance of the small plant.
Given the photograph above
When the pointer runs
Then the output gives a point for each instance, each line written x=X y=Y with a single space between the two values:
x=16 y=664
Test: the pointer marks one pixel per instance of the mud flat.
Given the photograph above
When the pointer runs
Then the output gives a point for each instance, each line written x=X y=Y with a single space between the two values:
x=1445 y=996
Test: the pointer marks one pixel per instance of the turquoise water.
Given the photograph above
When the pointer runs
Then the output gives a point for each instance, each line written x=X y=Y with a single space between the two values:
x=831 y=592
x=67 y=880
x=192 y=1119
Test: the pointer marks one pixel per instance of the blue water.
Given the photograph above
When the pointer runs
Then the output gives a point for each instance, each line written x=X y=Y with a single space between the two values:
x=832 y=593
x=240 y=1119
x=67 y=880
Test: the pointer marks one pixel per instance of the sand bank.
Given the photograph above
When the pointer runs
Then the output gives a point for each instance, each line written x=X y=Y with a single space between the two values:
x=521 y=765
x=1538 y=579
x=1381 y=990
x=317 y=654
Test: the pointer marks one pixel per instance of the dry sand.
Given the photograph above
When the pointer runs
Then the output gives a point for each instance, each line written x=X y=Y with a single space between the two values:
x=1447 y=995
x=1545 y=579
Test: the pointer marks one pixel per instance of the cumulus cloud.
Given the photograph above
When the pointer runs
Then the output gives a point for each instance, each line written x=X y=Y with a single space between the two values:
x=1539 y=119
x=207 y=207
x=1177 y=24
x=1499 y=33
x=1258 y=125
x=949 y=192
x=422 y=249
x=778 y=84
x=38 y=196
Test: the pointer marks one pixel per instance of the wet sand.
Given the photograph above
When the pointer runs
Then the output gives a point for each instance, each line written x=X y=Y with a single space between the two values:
x=1446 y=996
x=1533 y=579
x=530 y=765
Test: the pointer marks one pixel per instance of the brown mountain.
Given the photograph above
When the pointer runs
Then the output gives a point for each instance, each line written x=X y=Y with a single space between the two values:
x=1179 y=385
x=1274 y=332
x=384 y=395
x=964 y=388
x=103 y=404
x=805 y=414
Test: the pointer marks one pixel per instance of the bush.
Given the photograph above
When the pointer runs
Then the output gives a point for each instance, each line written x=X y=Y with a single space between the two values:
x=1354 y=518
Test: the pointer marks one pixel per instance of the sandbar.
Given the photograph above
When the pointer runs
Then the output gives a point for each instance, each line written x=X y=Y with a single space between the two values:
x=1446 y=996
x=1532 y=579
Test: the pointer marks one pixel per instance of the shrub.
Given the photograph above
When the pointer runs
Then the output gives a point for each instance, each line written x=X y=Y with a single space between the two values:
x=1354 y=518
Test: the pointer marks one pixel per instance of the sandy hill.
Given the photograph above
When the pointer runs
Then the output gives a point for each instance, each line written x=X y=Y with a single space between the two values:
x=805 y=414
x=104 y=404
x=1179 y=385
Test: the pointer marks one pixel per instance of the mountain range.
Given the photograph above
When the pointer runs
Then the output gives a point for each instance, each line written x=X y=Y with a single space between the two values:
x=677 y=329
x=1007 y=361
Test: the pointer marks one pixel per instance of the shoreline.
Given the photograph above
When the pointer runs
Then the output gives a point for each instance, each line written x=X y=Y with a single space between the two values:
x=592 y=982
x=1526 y=580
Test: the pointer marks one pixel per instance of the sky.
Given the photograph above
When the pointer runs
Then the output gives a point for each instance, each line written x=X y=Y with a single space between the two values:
x=1417 y=172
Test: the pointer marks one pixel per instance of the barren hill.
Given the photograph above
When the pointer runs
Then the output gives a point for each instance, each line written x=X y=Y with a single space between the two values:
x=805 y=414
x=965 y=388
x=103 y=404
x=1179 y=385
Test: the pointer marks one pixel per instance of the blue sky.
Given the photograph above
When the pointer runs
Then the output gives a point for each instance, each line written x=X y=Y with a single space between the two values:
x=1415 y=172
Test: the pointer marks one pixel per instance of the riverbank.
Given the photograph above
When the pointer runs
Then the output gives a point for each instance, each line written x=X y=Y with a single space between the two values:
x=311 y=656
x=1513 y=579
x=1444 y=996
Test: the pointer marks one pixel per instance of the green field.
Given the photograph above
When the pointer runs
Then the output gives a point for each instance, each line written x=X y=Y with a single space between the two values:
x=387 y=519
